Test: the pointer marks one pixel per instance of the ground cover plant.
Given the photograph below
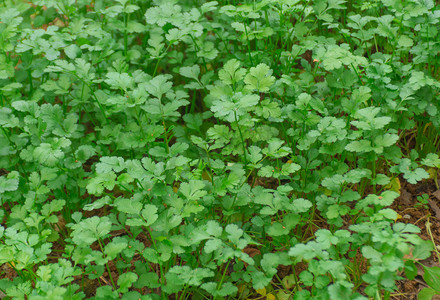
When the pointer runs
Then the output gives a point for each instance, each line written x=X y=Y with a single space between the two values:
x=223 y=149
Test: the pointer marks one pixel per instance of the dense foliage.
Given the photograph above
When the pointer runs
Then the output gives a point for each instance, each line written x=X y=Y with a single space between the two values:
x=191 y=150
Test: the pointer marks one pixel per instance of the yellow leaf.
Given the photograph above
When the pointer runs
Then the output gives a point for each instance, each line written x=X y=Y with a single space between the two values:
x=432 y=173
x=289 y=281
x=394 y=185
x=262 y=291
x=270 y=297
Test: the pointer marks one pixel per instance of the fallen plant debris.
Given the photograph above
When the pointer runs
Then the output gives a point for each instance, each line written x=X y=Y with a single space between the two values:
x=176 y=149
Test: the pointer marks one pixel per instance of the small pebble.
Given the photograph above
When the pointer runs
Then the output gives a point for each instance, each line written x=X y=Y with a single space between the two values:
x=406 y=217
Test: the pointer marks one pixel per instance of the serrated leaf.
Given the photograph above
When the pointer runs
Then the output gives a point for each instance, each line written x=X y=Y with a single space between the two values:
x=9 y=183
x=125 y=281
x=128 y=206
x=89 y=230
x=48 y=154
x=107 y=164
x=231 y=72
x=405 y=41
x=431 y=160
x=212 y=245
x=149 y=213
x=158 y=86
x=259 y=78
x=113 y=248
x=97 y=184
x=359 y=146
x=190 y=72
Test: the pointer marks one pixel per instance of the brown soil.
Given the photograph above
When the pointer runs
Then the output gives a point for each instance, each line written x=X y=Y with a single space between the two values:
x=413 y=212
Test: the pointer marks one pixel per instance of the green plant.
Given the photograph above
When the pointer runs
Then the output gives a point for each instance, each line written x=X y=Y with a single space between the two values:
x=422 y=201
x=193 y=149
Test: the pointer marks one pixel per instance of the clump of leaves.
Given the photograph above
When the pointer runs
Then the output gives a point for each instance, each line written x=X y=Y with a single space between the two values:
x=186 y=149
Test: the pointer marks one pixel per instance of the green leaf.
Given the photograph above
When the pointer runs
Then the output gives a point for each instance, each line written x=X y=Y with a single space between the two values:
x=9 y=183
x=51 y=154
x=53 y=206
x=423 y=249
x=213 y=228
x=227 y=289
x=72 y=51
x=290 y=168
x=231 y=109
x=90 y=230
x=149 y=214
x=301 y=205
x=212 y=245
x=191 y=277
x=432 y=277
x=383 y=141
x=150 y=280
x=114 y=248
x=101 y=202
x=259 y=280
x=231 y=72
x=234 y=233
x=158 y=86
x=108 y=164
x=359 y=146
x=388 y=213
x=410 y=269
x=125 y=281
x=259 y=78
x=341 y=291
x=277 y=229
x=7 y=119
x=427 y=294
x=371 y=254
x=97 y=184
x=121 y=81
x=405 y=41
x=190 y=72
x=128 y=206
x=106 y=292
x=431 y=160
x=416 y=175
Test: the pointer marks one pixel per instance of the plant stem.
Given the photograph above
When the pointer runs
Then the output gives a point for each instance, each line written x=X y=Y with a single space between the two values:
x=242 y=140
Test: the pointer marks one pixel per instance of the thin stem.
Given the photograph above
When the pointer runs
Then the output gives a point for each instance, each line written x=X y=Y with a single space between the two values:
x=428 y=229
x=248 y=43
x=223 y=276
x=242 y=140
x=108 y=267
x=125 y=36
